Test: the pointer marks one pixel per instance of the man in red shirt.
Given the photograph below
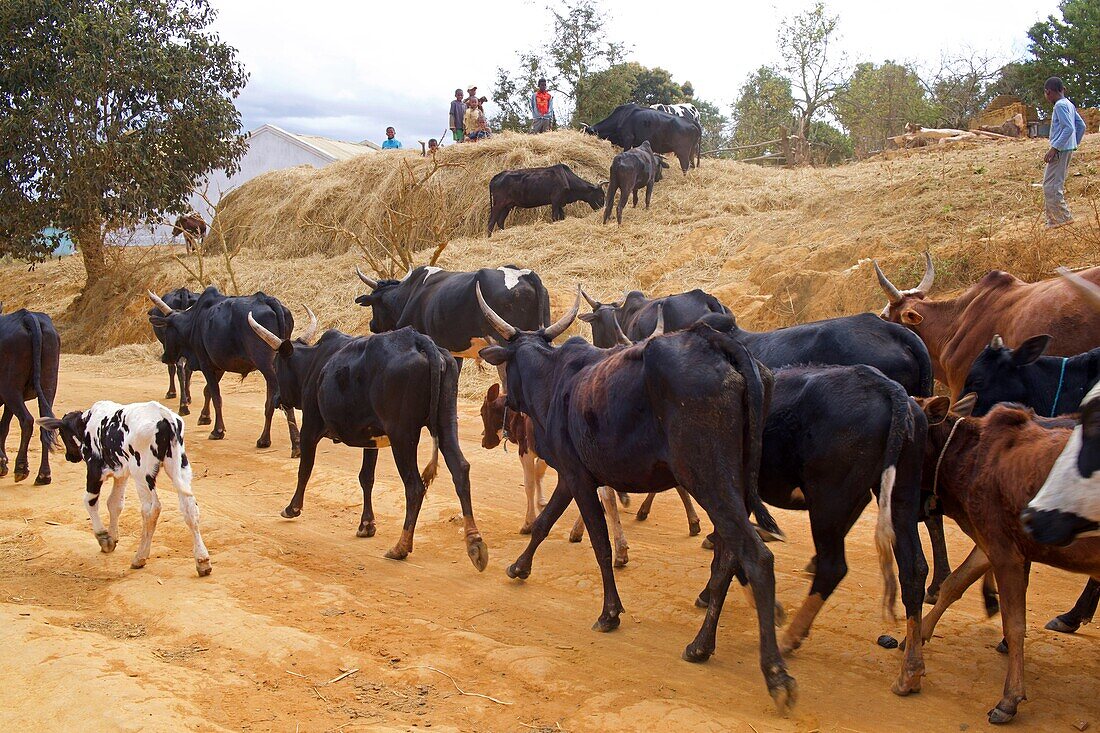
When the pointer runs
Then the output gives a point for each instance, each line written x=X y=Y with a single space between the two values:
x=542 y=109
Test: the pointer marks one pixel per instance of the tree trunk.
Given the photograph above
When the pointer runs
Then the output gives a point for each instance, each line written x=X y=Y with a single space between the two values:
x=89 y=239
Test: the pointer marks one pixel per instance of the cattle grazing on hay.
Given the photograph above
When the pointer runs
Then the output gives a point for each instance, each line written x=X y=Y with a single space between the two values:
x=193 y=228
x=30 y=356
x=214 y=332
x=688 y=410
x=131 y=441
x=369 y=392
x=985 y=471
x=555 y=186
x=632 y=170
x=179 y=299
x=629 y=125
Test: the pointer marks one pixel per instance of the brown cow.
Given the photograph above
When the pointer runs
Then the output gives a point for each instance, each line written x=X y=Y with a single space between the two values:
x=192 y=227
x=955 y=330
x=985 y=471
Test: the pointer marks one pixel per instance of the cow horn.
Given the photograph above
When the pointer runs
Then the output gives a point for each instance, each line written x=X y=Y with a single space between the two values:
x=929 y=274
x=268 y=338
x=594 y=303
x=372 y=284
x=997 y=342
x=556 y=329
x=505 y=329
x=1090 y=292
x=659 y=329
x=619 y=335
x=311 y=330
x=884 y=282
x=160 y=304
x=601 y=184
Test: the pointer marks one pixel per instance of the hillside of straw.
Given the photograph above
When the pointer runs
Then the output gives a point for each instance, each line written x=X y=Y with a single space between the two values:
x=778 y=246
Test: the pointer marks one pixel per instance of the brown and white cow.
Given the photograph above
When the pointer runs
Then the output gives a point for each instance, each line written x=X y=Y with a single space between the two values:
x=985 y=471
x=192 y=227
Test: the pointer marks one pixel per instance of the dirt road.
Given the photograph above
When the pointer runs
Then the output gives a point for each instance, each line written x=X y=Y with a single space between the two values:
x=89 y=642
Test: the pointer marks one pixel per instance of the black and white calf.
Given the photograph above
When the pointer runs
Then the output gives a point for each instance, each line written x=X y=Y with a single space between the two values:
x=131 y=441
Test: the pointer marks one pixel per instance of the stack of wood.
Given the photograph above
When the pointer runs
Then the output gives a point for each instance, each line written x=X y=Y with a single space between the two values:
x=1091 y=116
x=917 y=137
x=1015 y=127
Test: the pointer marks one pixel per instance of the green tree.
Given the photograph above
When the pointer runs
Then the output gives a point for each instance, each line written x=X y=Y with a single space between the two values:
x=1023 y=79
x=878 y=101
x=764 y=105
x=1068 y=47
x=110 y=112
x=829 y=145
x=608 y=89
x=511 y=92
x=715 y=125
x=655 y=86
x=807 y=47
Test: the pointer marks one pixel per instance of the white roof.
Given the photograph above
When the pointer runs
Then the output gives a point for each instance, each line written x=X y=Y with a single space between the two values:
x=331 y=150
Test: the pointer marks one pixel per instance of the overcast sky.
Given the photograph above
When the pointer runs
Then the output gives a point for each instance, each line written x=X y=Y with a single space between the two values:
x=348 y=69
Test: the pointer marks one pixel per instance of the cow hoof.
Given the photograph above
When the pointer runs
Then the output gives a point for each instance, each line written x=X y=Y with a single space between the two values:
x=3 y=468
x=478 y=553
x=604 y=625
x=784 y=693
x=203 y=567
x=217 y=435
x=184 y=410
x=641 y=516
x=572 y=537
x=997 y=716
x=396 y=554
x=707 y=544
x=137 y=564
x=621 y=560
x=290 y=513
x=811 y=566
x=203 y=420
x=365 y=530
x=21 y=473
x=992 y=604
x=1057 y=624
x=694 y=529
x=701 y=602
x=106 y=542
x=696 y=654
x=517 y=573
x=1002 y=648
x=906 y=685
x=930 y=598
x=525 y=529
x=44 y=480
x=624 y=498
x=262 y=443
x=170 y=394
x=788 y=645
x=295 y=452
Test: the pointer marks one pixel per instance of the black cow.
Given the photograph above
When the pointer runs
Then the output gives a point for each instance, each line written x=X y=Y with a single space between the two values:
x=629 y=125
x=685 y=409
x=30 y=355
x=441 y=305
x=179 y=299
x=214 y=332
x=635 y=316
x=528 y=188
x=631 y=170
x=832 y=437
x=372 y=391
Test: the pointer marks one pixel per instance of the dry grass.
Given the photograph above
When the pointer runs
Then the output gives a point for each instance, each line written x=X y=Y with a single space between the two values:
x=777 y=246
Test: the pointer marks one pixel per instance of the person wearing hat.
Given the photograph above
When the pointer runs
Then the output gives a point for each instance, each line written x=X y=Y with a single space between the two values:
x=454 y=118
x=471 y=96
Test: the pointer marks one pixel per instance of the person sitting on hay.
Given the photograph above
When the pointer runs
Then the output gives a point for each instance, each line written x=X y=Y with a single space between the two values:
x=477 y=127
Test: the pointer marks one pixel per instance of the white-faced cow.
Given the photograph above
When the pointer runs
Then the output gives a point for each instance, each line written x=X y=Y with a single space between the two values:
x=684 y=409
x=131 y=441
x=179 y=299
x=30 y=354
x=632 y=170
x=368 y=392
x=215 y=333
x=528 y=188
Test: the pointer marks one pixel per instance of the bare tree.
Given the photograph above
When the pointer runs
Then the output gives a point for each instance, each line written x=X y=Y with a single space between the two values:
x=961 y=85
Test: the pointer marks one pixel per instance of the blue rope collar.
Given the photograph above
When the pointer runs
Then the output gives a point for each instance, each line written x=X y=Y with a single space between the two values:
x=1058 y=393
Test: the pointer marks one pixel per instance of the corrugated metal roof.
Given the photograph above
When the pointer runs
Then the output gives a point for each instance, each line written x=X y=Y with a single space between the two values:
x=338 y=149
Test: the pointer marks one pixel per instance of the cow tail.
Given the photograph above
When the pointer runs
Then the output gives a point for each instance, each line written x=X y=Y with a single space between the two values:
x=436 y=364
x=49 y=437
x=492 y=207
x=901 y=428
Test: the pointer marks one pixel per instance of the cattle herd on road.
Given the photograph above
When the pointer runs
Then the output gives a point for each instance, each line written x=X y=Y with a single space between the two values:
x=670 y=393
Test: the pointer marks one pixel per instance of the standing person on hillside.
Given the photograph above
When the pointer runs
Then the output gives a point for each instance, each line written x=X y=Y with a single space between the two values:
x=391 y=142
x=542 y=109
x=1066 y=130
x=454 y=117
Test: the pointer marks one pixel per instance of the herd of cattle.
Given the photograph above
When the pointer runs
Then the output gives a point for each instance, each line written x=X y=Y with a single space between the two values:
x=670 y=393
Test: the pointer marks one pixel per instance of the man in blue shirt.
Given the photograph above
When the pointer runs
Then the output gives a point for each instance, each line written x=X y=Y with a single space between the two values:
x=390 y=143
x=1066 y=130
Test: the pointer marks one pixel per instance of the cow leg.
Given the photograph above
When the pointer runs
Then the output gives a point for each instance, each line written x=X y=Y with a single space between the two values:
x=576 y=534
x=941 y=567
x=611 y=510
x=47 y=437
x=545 y=521
x=689 y=509
x=264 y=441
x=685 y=160
x=179 y=471
x=366 y=482
x=185 y=394
x=476 y=549
x=115 y=503
x=171 y=393
x=635 y=198
x=26 y=431
x=1012 y=576
x=295 y=436
x=622 y=203
x=557 y=212
x=648 y=193
x=973 y=567
x=528 y=460
x=204 y=414
x=587 y=497
x=609 y=202
x=643 y=510
x=311 y=436
x=404 y=455
x=989 y=595
x=150 y=512
x=831 y=568
x=1081 y=613
x=5 y=424
x=540 y=472
x=214 y=393
x=722 y=568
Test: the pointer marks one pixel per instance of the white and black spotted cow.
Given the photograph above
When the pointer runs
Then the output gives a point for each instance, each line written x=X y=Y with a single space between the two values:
x=123 y=441
x=684 y=109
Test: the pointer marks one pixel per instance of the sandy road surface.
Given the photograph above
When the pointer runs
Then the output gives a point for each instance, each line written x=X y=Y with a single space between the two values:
x=87 y=641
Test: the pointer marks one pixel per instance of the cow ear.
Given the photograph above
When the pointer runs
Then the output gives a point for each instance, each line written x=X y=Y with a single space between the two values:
x=936 y=409
x=493 y=393
x=587 y=317
x=364 y=300
x=910 y=317
x=49 y=423
x=286 y=348
x=495 y=355
x=1030 y=350
x=158 y=321
x=965 y=406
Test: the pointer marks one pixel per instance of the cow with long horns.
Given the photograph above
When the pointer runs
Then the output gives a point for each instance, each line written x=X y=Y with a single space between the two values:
x=685 y=409
x=215 y=333
x=179 y=299
x=369 y=392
